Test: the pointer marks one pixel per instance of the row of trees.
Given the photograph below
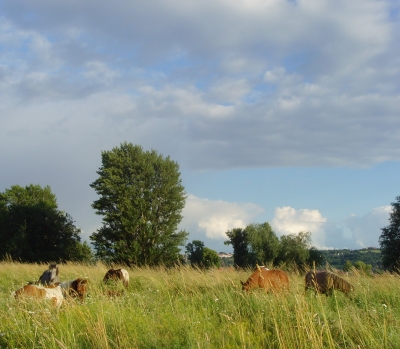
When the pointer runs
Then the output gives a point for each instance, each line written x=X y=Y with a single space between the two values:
x=141 y=198
x=258 y=244
x=33 y=229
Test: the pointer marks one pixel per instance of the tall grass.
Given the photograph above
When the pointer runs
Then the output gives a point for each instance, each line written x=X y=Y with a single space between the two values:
x=189 y=308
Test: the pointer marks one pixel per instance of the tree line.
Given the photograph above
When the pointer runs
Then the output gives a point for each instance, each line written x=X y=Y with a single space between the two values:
x=141 y=198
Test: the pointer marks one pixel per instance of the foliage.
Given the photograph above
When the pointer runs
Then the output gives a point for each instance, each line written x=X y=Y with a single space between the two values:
x=211 y=258
x=390 y=239
x=263 y=243
x=258 y=244
x=141 y=199
x=195 y=252
x=294 y=249
x=337 y=258
x=200 y=256
x=30 y=195
x=361 y=266
x=315 y=257
x=34 y=230
x=347 y=266
x=238 y=238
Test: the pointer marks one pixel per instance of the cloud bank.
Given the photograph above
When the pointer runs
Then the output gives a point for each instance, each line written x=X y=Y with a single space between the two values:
x=216 y=85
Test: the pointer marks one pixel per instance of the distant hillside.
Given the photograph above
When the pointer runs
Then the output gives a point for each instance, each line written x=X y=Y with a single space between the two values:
x=337 y=258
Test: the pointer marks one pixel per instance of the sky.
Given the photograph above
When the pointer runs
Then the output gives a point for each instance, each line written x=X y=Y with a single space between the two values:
x=276 y=111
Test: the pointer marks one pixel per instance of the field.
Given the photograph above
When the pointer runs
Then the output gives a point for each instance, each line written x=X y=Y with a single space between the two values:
x=187 y=308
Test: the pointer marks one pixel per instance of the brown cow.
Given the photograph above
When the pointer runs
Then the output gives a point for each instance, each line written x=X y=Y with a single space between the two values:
x=323 y=281
x=75 y=288
x=270 y=280
x=117 y=274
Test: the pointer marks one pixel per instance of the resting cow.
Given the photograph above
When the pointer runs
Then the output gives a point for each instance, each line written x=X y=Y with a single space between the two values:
x=50 y=276
x=75 y=288
x=116 y=275
x=271 y=280
x=323 y=281
x=54 y=293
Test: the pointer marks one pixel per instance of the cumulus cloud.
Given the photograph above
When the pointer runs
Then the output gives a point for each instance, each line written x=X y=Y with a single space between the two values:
x=288 y=220
x=353 y=232
x=366 y=229
x=213 y=218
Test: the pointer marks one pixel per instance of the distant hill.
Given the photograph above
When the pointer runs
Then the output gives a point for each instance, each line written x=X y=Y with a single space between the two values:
x=337 y=258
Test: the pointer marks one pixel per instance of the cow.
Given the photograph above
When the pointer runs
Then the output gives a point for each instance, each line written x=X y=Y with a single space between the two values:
x=116 y=275
x=53 y=292
x=75 y=288
x=324 y=282
x=270 y=280
x=50 y=276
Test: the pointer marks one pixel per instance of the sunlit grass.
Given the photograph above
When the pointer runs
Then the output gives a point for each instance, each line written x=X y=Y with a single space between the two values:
x=189 y=308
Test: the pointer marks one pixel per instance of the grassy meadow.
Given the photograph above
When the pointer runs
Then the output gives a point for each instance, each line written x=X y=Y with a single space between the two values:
x=187 y=308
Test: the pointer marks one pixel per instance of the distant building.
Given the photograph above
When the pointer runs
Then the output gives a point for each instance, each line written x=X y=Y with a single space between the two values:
x=225 y=255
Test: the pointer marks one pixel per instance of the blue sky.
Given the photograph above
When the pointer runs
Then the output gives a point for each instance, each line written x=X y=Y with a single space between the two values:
x=277 y=111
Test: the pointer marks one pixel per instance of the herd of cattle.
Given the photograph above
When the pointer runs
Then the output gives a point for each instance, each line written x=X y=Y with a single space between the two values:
x=50 y=287
x=322 y=281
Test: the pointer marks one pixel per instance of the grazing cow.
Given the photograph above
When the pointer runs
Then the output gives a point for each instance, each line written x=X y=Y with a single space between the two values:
x=270 y=280
x=117 y=274
x=54 y=292
x=75 y=288
x=323 y=281
x=50 y=276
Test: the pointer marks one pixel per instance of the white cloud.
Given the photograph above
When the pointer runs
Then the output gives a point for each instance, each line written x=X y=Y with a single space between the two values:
x=353 y=232
x=288 y=220
x=213 y=218
x=366 y=230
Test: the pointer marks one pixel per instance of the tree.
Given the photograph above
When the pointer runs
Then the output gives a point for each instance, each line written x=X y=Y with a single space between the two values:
x=363 y=267
x=294 y=249
x=201 y=256
x=315 y=256
x=195 y=251
x=32 y=229
x=211 y=258
x=141 y=199
x=263 y=243
x=238 y=238
x=390 y=239
x=347 y=266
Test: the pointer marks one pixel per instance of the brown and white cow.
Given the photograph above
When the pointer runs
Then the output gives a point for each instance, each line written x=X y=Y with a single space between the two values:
x=117 y=274
x=54 y=293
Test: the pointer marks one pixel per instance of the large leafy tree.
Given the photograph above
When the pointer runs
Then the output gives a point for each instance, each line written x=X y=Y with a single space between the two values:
x=211 y=258
x=294 y=249
x=32 y=229
x=239 y=240
x=256 y=244
x=141 y=200
x=390 y=239
x=263 y=243
x=195 y=252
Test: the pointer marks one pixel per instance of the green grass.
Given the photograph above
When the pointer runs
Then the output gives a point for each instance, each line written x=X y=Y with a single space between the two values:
x=187 y=308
